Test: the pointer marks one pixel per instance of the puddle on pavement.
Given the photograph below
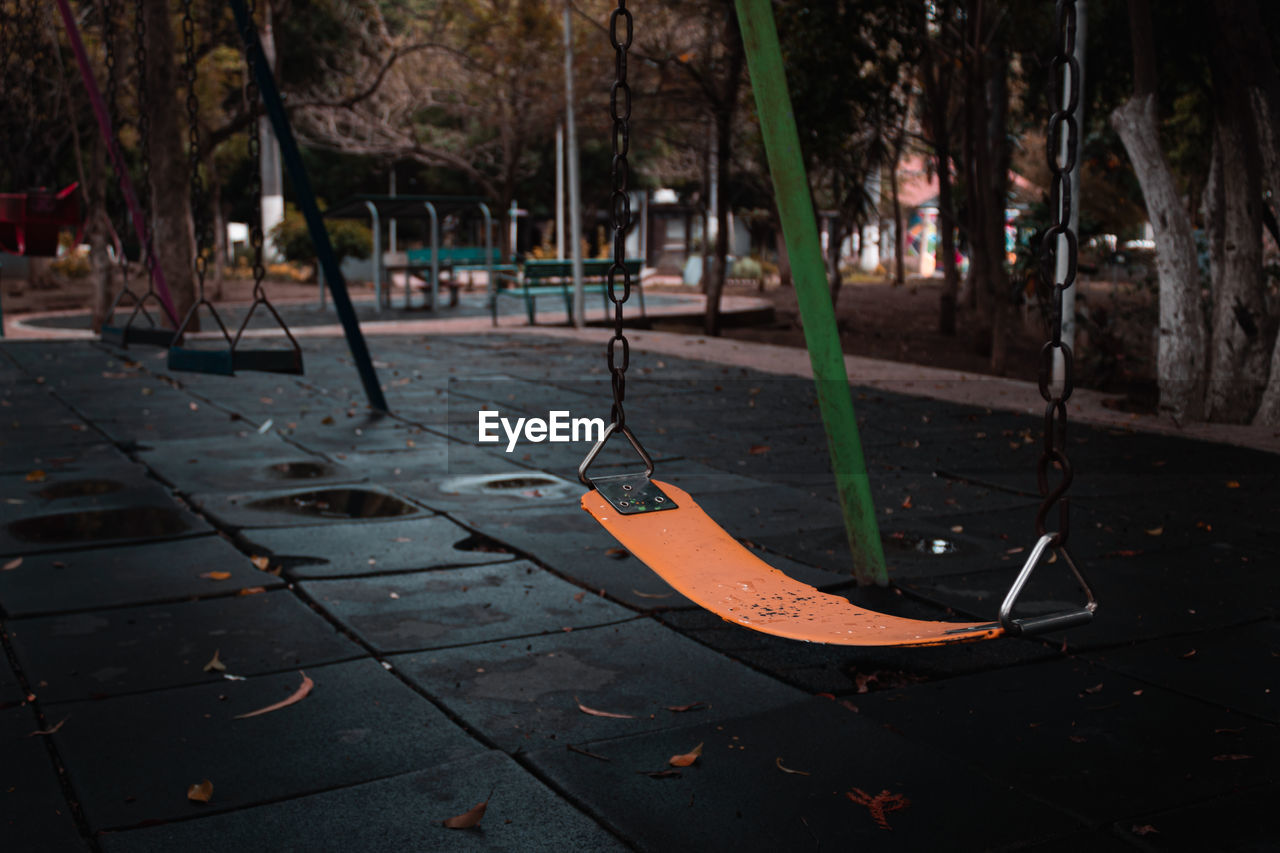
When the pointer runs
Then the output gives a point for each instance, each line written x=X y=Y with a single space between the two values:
x=935 y=545
x=124 y=523
x=336 y=503
x=531 y=485
x=80 y=489
x=299 y=470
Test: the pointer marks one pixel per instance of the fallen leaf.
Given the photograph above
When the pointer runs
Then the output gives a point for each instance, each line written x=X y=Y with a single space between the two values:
x=687 y=758
x=617 y=553
x=593 y=712
x=906 y=502
x=11 y=565
x=261 y=563
x=1156 y=531
x=49 y=730
x=36 y=476
x=758 y=449
x=578 y=596
x=778 y=761
x=1189 y=654
x=1231 y=757
x=215 y=576
x=1145 y=829
x=297 y=696
x=201 y=793
x=879 y=805
x=957 y=528
x=692 y=706
x=251 y=590
x=585 y=752
x=1097 y=688
x=1233 y=484
x=215 y=663
x=651 y=594
x=470 y=818
x=668 y=773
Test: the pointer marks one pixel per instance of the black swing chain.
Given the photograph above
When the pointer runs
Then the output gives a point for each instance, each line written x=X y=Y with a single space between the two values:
x=1062 y=121
x=620 y=207
x=113 y=107
x=255 y=169
x=199 y=212
x=143 y=123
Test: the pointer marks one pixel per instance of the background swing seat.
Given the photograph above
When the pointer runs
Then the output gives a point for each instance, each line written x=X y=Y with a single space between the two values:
x=694 y=554
x=30 y=222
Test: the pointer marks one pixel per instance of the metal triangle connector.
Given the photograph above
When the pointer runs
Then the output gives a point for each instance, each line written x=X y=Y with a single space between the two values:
x=1051 y=621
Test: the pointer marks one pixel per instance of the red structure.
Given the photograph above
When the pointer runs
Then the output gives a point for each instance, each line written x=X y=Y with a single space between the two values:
x=30 y=221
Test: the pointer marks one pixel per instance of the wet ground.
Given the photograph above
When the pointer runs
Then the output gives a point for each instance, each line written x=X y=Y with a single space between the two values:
x=178 y=551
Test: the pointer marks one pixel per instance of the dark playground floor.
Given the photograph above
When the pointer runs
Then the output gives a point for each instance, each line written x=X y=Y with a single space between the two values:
x=456 y=612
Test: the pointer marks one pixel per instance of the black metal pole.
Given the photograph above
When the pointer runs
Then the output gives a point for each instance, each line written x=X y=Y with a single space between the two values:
x=307 y=201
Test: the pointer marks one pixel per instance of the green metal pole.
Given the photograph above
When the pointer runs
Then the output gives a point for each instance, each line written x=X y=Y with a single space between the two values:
x=795 y=207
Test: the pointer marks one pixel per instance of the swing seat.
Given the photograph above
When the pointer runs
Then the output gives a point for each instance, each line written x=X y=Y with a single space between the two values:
x=268 y=360
x=705 y=564
x=30 y=222
x=216 y=361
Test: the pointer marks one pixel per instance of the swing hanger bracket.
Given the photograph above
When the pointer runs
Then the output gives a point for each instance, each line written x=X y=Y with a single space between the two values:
x=629 y=494
x=1031 y=625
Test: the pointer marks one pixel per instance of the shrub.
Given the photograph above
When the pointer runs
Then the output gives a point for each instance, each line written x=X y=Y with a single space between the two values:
x=350 y=239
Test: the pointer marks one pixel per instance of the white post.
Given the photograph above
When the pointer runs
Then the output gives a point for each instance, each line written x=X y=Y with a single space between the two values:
x=1069 y=295
x=392 y=227
x=559 y=191
x=512 y=232
x=377 y=255
x=575 y=207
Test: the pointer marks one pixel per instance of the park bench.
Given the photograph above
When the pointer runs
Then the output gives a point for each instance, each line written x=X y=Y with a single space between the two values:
x=453 y=260
x=555 y=278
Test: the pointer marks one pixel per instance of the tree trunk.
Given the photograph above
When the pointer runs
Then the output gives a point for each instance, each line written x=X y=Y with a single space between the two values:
x=735 y=57
x=1241 y=333
x=997 y=191
x=1180 y=359
x=947 y=243
x=171 y=224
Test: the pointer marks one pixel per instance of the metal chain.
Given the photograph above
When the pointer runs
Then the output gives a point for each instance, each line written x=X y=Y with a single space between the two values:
x=143 y=123
x=255 y=167
x=113 y=113
x=1062 y=121
x=198 y=206
x=620 y=206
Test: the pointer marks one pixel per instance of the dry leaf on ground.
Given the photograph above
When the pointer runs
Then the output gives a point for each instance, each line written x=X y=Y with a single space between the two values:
x=261 y=563
x=11 y=565
x=36 y=476
x=49 y=730
x=879 y=805
x=651 y=594
x=297 y=696
x=692 y=706
x=215 y=664
x=687 y=758
x=470 y=818
x=778 y=761
x=251 y=590
x=593 y=712
x=200 y=793
x=215 y=576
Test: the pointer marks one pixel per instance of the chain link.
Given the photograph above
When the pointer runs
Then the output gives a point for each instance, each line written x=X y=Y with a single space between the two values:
x=255 y=167
x=143 y=124
x=198 y=206
x=620 y=207
x=1063 y=128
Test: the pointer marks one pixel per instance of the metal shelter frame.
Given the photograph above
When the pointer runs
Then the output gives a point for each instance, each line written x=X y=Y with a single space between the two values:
x=395 y=207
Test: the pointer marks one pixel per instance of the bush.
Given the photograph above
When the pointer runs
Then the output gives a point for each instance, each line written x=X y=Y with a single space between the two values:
x=350 y=239
x=747 y=268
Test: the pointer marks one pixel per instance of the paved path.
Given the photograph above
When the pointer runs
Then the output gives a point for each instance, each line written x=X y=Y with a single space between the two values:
x=178 y=551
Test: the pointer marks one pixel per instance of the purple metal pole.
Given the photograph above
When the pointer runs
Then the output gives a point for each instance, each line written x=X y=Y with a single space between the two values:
x=117 y=160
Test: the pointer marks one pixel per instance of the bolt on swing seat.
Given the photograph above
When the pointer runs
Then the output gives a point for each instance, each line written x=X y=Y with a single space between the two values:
x=30 y=222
